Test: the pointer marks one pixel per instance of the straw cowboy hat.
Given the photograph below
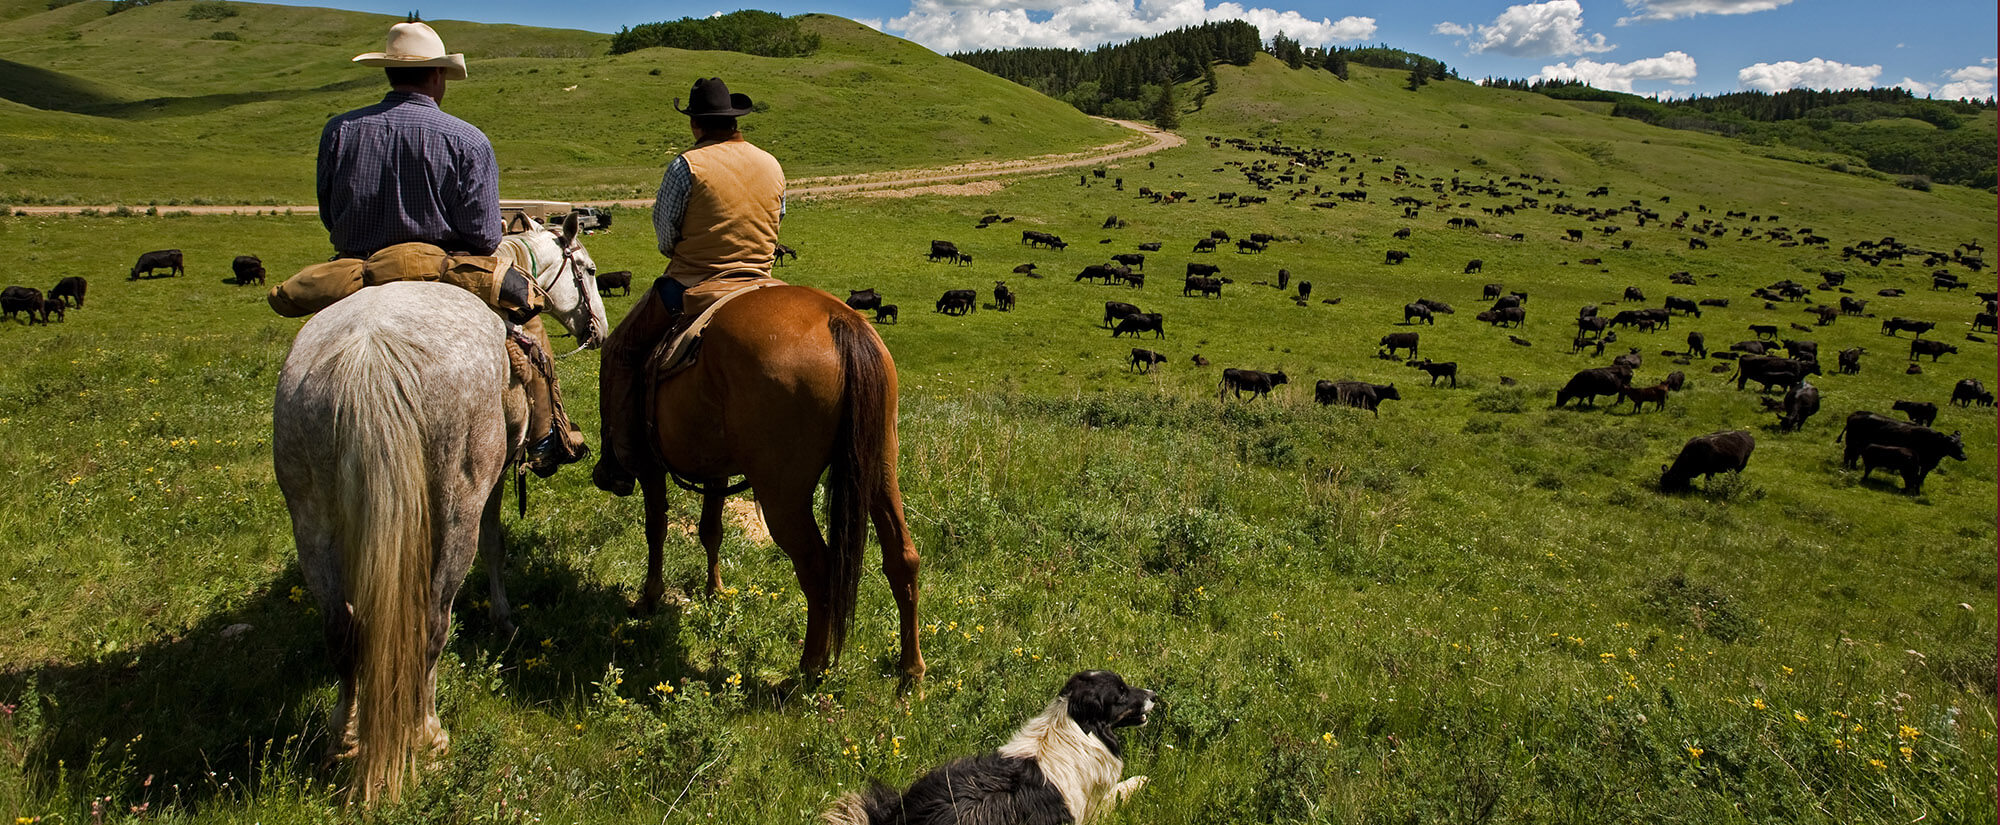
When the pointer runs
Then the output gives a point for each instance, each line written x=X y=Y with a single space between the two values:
x=712 y=97
x=416 y=45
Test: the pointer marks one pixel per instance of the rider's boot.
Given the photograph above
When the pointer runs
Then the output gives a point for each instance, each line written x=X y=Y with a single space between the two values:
x=621 y=387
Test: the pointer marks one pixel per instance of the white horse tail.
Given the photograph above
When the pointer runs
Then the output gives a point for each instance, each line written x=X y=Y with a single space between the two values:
x=386 y=552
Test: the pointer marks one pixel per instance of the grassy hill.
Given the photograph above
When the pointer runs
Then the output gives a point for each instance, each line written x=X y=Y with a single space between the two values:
x=113 y=103
x=1472 y=607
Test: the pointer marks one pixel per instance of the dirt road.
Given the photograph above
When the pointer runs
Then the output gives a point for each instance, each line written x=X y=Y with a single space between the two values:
x=963 y=179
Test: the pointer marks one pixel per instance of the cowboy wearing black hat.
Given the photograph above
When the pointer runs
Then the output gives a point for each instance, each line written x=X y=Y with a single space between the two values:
x=717 y=217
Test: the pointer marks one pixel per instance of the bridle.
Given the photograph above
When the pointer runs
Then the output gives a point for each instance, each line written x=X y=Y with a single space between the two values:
x=588 y=336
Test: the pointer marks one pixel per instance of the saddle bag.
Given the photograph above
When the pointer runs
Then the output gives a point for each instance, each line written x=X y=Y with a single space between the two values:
x=495 y=280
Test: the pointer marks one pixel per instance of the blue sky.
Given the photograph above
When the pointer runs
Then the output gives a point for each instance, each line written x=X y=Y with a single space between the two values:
x=1944 y=48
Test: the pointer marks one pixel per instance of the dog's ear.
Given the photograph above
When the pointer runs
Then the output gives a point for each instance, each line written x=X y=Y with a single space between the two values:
x=1094 y=697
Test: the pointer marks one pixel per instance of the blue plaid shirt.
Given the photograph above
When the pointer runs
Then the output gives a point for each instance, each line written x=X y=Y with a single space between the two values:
x=403 y=170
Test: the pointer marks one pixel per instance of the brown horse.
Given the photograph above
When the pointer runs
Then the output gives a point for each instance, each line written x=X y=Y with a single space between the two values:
x=791 y=381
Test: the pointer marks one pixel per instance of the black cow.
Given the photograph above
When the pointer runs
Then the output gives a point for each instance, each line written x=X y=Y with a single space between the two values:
x=1801 y=403
x=1850 y=306
x=1142 y=322
x=1205 y=245
x=1933 y=349
x=1492 y=291
x=1108 y=272
x=167 y=259
x=1284 y=278
x=1149 y=247
x=1474 y=266
x=1865 y=428
x=1208 y=287
x=1448 y=369
x=858 y=299
x=1772 y=371
x=1765 y=330
x=1697 y=345
x=1399 y=340
x=71 y=287
x=1632 y=293
x=1506 y=301
x=1306 y=291
x=1802 y=350
x=1247 y=245
x=1895 y=325
x=779 y=252
x=250 y=268
x=1437 y=306
x=1686 y=305
x=1921 y=413
x=1418 y=312
x=1003 y=298
x=958 y=302
x=1144 y=359
x=26 y=299
x=1356 y=394
x=944 y=251
x=1396 y=256
x=1257 y=383
x=1751 y=347
x=885 y=313
x=1987 y=321
x=1131 y=259
x=52 y=308
x=1705 y=455
x=1587 y=385
x=1194 y=269
x=1967 y=391
x=1850 y=361
x=1902 y=460
x=1589 y=325
x=1114 y=310
x=607 y=281
x=1502 y=317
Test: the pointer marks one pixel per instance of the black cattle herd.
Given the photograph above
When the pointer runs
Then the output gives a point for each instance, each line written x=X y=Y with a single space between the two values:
x=1768 y=358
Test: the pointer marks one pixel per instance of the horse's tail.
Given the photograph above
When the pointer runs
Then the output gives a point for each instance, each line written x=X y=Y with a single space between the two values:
x=860 y=462
x=383 y=484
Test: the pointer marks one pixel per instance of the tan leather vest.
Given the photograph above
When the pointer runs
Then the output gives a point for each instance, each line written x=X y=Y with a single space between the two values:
x=731 y=223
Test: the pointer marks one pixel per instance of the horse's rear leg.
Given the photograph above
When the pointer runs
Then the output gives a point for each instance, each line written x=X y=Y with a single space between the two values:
x=899 y=565
x=652 y=487
x=495 y=553
x=459 y=540
x=711 y=538
x=789 y=515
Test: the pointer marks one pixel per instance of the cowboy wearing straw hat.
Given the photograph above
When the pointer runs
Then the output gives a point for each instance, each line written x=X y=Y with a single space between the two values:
x=409 y=192
x=717 y=217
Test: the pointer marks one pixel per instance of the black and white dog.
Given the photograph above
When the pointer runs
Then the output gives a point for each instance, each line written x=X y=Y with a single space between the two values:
x=1062 y=766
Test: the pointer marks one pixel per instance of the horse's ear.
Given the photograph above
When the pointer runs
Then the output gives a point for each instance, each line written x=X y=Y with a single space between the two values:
x=569 y=229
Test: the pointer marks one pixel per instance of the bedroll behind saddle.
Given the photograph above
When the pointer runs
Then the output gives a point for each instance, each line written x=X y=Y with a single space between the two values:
x=494 y=279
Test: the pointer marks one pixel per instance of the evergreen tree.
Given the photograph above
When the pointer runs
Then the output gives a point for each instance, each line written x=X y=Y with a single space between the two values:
x=1418 y=77
x=1167 y=108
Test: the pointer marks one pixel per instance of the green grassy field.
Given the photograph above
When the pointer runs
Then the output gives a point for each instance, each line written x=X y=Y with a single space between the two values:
x=1472 y=608
x=122 y=99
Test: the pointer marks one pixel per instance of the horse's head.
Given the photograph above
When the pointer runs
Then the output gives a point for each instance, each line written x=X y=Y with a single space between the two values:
x=568 y=276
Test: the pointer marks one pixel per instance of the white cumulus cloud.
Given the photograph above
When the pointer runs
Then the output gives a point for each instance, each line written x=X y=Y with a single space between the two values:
x=1645 y=11
x=1976 y=82
x=1674 y=67
x=947 y=26
x=1532 y=30
x=1817 y=73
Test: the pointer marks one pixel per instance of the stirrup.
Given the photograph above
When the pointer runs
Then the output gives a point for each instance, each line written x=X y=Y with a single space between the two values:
x=547 y=456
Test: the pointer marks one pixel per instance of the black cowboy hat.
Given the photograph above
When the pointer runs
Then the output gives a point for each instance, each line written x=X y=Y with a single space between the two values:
x=712 y=97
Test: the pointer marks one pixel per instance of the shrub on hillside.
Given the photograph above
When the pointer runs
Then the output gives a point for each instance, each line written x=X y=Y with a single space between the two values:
x=749 y=31
x=224 y=36
x=208 y=10
x=1917 y=182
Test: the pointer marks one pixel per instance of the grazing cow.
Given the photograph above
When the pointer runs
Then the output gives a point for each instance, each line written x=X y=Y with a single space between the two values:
x=1772 y=371
x=1437 y=306
x=1131 y=259
x=1492 y=291
x=54 y=308
x=1686 y=305
x=1109 y=272
x=1247 y=245
x=167 y=259
x=1933 y=349
x=1765 y=330
x=1142 y=322
x=1802 y=350
x=1902 y=460
x=958 y=302
x=1208 y=287
x=1396 y=256
x=1966 y=391
x=1697 y=345
x=1850 y=306
x=1676 y=380
x=1629 y=360
x=1801 y=402
x=1865 y=428
x=71 y=287
x=1587 y=385
x=26 y=299
x=1399 y=340
x=885 y=313
x=1257 y=383
x=1114 y=310
x=1641 y=396
x=1419 y=312
x=250 y=268
x=1850 y=361
x=1986 y=321
x=858 y=299
x=1356 y=394
x=607 y=281
x=1506 y=301
x=1573 y=234
x=1003 y=298
x=1827 y=315
x=1205 y=245
x=1474 y=266
x=1705 y=455
x=1586 y=326
x=1502 y=317
x=1284 y=278
x=1194 y=269
x=1447 y=369
x=944 y=251
x=1633 y=293
x=1921 y=413
x=1306 y=291
x=1895 y=325
x=779 y=252
x=1144 y=359
x=1401 y=233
